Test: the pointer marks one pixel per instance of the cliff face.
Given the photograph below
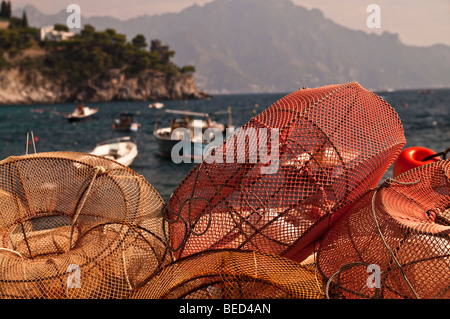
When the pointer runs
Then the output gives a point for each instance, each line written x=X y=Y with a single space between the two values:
x=31 y=87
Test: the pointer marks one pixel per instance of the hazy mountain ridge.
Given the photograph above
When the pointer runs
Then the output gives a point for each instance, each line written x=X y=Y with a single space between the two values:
x=276 y=46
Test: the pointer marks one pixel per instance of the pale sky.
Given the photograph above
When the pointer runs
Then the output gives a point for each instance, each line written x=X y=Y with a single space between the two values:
x=418 y=22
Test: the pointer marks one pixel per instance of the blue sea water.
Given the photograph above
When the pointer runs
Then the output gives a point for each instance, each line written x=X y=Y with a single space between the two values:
x=425 y=117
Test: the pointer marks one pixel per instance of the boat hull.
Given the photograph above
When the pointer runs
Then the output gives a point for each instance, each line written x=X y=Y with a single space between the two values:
x=78 y=117
x=123 y=152
x=193 y=153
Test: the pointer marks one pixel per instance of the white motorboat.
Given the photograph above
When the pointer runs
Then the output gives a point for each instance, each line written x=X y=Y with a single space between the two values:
x=196 y=123
x=156 y=105
x=81 y=113
x=122 y=150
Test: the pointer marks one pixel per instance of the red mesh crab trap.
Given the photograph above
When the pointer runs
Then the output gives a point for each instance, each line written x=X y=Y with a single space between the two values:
x=75 y=225
x=273 y=186
x=395 y=241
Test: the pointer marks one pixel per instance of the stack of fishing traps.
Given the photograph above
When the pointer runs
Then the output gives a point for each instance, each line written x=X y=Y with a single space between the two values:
x=289 y=206
x=281 y=181
x=400 y=230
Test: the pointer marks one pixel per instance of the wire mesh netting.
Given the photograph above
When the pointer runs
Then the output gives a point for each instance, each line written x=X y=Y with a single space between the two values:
x=400 y=230
x=233 y=274
x=273 y=185
x=76 y=220
x=243 y=224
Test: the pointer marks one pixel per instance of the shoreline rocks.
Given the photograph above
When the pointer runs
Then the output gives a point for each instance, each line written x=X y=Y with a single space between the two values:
x=32 y=87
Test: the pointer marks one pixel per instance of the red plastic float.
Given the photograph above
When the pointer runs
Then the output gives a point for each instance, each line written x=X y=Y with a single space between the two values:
x=413 y=157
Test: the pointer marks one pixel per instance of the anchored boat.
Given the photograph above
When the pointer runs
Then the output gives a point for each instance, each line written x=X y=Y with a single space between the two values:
x=121 y=149
x=156 y=105
x=126 y=123
x=195 y=125
x=81 y=113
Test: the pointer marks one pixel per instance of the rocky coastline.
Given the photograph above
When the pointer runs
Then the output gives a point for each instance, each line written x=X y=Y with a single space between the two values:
x=32 y=87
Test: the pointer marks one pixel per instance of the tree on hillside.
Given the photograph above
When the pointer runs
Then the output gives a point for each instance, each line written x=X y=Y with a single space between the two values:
x=139 y=42
x=61 y=27
x=5 y=9
x=88 y=31
x=24 y=20
x=188 y=69
x=8 y=9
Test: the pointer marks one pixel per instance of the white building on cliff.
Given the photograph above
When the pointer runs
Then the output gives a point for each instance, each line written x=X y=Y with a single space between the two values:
x=51 y=34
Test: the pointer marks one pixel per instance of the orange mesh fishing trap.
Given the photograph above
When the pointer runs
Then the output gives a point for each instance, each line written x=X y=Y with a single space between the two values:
x=75 y=225
x=395 y=241
x=233 y=274
x=273 y=186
